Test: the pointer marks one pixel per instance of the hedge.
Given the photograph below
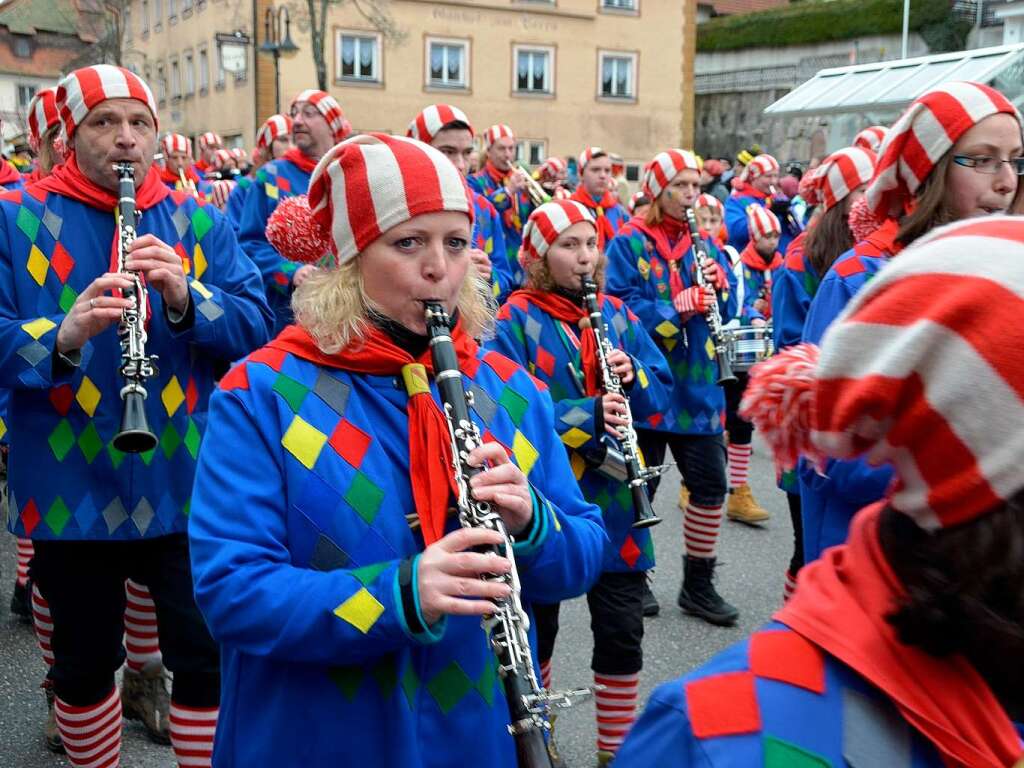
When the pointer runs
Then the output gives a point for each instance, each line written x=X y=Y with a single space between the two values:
x=816 y=21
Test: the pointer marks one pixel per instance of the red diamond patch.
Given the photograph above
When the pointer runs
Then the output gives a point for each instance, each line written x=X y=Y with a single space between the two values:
x=284 y=184
x=236 y=378
x=787 y=657
x=269 y=356
x=630 y=552
x=723 y=705
x=191 y=395
x=61 y=262
x=30 y=517
x=545 y=361
x=350 y=442
x=61 y=397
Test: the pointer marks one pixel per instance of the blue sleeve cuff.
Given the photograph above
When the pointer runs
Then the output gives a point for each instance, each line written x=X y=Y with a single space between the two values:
x=530 y=540
x=406 y=595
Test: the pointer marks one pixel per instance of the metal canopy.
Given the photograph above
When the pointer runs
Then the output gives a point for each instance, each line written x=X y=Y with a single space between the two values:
x=886 y=86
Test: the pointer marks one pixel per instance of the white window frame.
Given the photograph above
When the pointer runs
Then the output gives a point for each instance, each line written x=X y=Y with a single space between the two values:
x=458 y=42
x=158 y=15
x=188 y=74
x=525 y=150
x=522 y=48
x=144 y=21
x=175 y=79
x=161 y=84
x=632 y=9
x=204 y=69
x=634 y=58
x=377 y=75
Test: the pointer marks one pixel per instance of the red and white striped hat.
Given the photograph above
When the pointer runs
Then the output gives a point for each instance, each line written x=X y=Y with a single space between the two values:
x=638 y=198
x=761 y=222
x=546 y=223
x=759 y=166
x=84 y=88
x=666 y=166
x=239 y=154
x=923 y=134
x=42 y=115
x=329 y=107
x=370 y=183
x=209 y=140
x=871 y=138
x=589 y=154
x=175 y=142
x=273 y=127
x=496 y=132
x=921 y=371
x=704 y=200
x=221 y=157
x=428 y=123
x=842 y=172
x=552 y=167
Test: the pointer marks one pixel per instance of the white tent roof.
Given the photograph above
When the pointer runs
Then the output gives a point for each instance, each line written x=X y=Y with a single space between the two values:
x=891 y=85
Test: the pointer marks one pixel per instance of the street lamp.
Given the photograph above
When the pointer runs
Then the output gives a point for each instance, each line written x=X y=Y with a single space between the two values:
x=273 y=43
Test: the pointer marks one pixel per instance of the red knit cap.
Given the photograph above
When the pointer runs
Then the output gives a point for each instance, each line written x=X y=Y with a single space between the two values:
x=221 y=157
x=638 y=198
x=552 y=167
x=759 y=166
x=84 y=88
x=273 y=127
x=761 y=222
x=871 y=138
x=42 y=115
x=704 y=200
x=810 y=185
x=175 y=142
x=428 y=123
x=926 y=131
x=370 y=183
x=589 y=154
x=329 y=107
x=918 y=372
x=209 y=140
x=546 y=223
x=666 y=166
x=844 y=171
x=240 y=154
x=496 y=132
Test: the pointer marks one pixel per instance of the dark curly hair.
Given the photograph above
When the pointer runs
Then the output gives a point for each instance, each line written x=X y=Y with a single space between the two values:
x=964 y=593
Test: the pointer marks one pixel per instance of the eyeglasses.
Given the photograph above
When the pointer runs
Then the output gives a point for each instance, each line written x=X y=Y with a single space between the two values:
x=989 y=165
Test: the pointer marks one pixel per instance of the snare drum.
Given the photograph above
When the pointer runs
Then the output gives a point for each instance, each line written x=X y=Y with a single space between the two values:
x=748 y=346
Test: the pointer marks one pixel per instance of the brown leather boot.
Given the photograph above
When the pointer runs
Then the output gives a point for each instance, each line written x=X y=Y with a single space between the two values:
x=144 y=698
x=743 y=507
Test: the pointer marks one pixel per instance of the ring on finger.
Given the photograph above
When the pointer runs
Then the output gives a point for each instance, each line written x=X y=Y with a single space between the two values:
x=92 y=303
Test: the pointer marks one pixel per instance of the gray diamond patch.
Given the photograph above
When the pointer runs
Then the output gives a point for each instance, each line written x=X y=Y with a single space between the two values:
x=619 y=323
x=532 y=329
x=211 y=310
x=333 y=392
x=181 y=221
x=575 y=416
x=142 y=515
x=873 y=733
x=328 y=556
x=12 y=509
x=33 y=352
x=53 y=223
x=114 y=515
x=483 y=403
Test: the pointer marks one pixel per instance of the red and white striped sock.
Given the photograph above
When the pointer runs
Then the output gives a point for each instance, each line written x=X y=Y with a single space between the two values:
x=43 y=624
x=616 y=709
x=92 y=735
x=192 y=731
x=545 y=674
x=25 y=552
x=739 y=464
x=140 y=634
x=700 y=530
x=789 y=587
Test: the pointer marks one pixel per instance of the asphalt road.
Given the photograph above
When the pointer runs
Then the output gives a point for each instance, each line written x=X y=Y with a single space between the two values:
x=753 y=561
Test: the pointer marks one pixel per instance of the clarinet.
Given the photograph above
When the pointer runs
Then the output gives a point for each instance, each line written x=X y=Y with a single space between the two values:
x=508 y=629
x=637 y=475
x=134 y=436
x=719 y=337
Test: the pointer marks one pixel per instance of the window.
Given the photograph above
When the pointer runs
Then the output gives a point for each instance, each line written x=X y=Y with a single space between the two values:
x=204 y=70
x=128 y=22
x=617 y=73
x=158 y=14
x=632 y=172
x=186 y=7
x=21 y=46
x=175 y=80
x=144 y=21
x=619 y=5
x=220 y=69
x=25 y=94
x=358 y=57
x=161 y=84
x=530 y=152
x=534 y=70
x=172 y=9
x=447 y=63
x=189 y=74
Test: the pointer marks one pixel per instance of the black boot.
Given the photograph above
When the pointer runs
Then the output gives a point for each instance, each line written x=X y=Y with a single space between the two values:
x=698 y=595
x=21 y=602
x=651 y=606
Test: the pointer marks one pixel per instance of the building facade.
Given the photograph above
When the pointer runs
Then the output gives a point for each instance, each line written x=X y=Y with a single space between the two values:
x=563 y=73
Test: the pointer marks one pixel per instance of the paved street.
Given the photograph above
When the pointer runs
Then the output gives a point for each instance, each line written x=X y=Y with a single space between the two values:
x=751 y=577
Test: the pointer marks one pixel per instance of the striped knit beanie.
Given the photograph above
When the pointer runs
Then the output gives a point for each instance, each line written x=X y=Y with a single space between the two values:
x=496 y=132
x=209 y=140
x=221 y=157
x=925 y=132
x=759 y=166
x=329 y=107
x=175 y=142
x=273 y=127
x=546 y=223
x=84 y=88
x=842 y=172
x=42 y=115
x=638 y=199
x=761 y=222
x=428 y=123
x=239 y=154
x=589 y=154
x=704 y=200
x=666 y=166
x=370 y=183
x=552 y=167
x=918 y=373
x=871 y=138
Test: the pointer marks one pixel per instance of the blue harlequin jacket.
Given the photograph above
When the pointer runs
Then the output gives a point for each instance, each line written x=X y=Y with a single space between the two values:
x=513 y=211
x=67 y=481
x=236 y=201
x=489 y=237
x=548 y=346
x=638 y=275
x=302 y=559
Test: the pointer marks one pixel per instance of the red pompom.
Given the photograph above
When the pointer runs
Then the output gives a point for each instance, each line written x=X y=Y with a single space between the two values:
x=862 y=221
x=295 y=234
x=779 y=402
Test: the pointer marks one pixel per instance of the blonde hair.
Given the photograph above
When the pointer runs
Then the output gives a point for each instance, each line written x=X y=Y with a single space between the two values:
x=333 y=306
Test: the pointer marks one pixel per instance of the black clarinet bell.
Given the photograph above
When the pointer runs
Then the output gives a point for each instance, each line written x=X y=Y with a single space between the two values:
x=135 y=436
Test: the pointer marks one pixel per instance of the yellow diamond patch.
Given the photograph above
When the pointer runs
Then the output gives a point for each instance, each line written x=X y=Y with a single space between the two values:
x=644 y=268
x=303 y=441
x=37 y=265
x=578 y=464
x=641 y=376
x=575 y=437
x=525 y=453
x=669 y=344
x=199 y=260
x=271 y=190
x=39 y=326
x=666 y=329
x=172 y=396
x=88 y=396
x=202 y=290
x=709 y=347
x=3 y=429
x=361 y=610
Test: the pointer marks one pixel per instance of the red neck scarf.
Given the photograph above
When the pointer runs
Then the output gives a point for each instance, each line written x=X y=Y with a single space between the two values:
x=497 y=176
x=744 y=189
x=170 y=177
x=755 y=260
x=304 y=162
x=561 y=308
x=605 y=231
x=202 y=166
x=882 y=242
x=840 y=605
x=669 y=230
x=430 y=452
x=8 y=174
